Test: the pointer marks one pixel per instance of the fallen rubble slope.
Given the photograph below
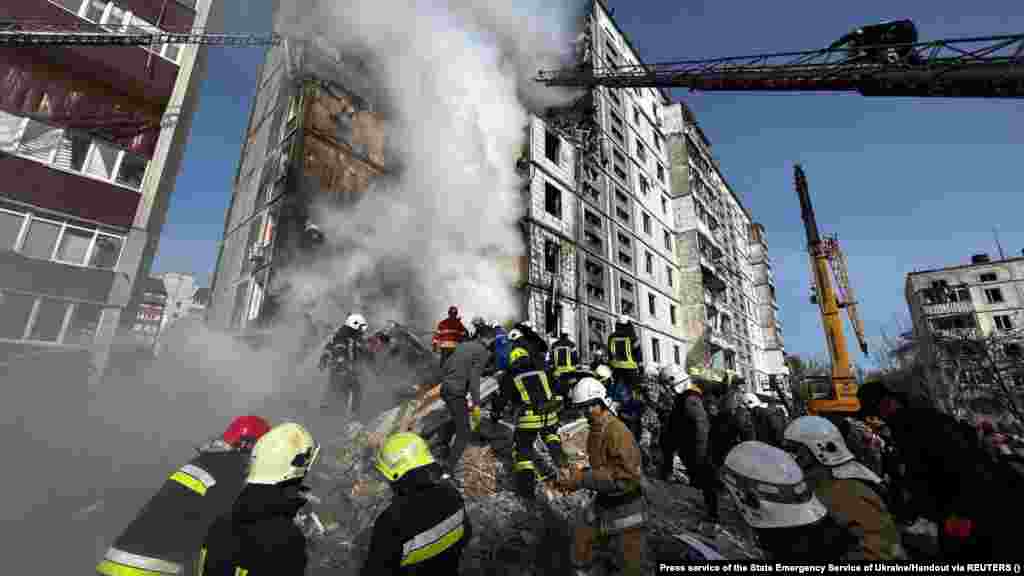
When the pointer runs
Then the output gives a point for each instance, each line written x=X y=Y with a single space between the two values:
x=509 y=536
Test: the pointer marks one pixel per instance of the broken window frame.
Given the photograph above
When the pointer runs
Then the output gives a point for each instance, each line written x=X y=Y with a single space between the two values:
x=552 y=200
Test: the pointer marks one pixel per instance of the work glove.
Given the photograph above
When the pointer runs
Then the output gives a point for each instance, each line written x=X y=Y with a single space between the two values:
x=474 y=419
x=569 y=479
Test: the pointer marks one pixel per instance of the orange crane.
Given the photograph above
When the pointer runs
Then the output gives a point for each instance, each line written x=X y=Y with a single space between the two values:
x=883 y=59
x=827 y=260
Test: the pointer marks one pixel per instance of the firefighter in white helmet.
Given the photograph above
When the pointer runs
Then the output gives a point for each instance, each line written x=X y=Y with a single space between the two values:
x=619 y=510
x=347 y=356
x=853 y=494
x=426 y=527
x=260 y=536
x=773 y=498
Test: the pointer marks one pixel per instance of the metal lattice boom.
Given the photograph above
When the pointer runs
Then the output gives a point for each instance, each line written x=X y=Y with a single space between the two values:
x=22 y=33
x=990 y=66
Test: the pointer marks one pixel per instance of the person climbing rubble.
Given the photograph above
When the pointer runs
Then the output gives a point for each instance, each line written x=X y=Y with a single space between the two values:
x=260 y=536
x=347 y=355
x=618 y=514
x=536 y=414
x=788 y=520
x=946 y=476
x=686 y=433
x=852 y=493
x=167 y=534
x=625 y=354
x=449 y=333
x=460 y=375
x=425 y=528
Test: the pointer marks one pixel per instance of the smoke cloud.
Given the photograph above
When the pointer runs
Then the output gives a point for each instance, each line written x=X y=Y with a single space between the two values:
x=457 y=76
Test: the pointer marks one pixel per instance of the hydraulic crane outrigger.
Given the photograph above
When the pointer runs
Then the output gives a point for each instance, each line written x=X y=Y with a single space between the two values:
x=867 y=61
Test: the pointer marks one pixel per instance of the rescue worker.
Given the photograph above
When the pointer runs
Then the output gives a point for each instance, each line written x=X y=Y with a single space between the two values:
x=597 y=358
x=501 y=347
x=425 y=528
x=618 y=513
x=730 y=425
x=851 y=492
x=166 y=536
x=946 y=477
x=347 y=355
x=625 y=354
x=603 y=373
x=791 y=524
x=534 y=344
x=686 y=433
x=564 y=357
x=460 y=375
x=449 y=333
x=536 y=408
x=769 y=423
x=260 y=535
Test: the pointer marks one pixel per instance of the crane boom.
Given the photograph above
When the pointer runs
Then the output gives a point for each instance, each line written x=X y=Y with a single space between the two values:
x=22 y=33
x=844 y=387
x=984 y=67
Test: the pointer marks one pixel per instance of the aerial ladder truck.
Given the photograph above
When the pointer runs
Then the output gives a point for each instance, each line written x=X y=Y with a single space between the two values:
x=884 y=59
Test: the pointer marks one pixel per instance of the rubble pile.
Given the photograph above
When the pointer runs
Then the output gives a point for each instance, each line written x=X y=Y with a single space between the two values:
x=511 y=536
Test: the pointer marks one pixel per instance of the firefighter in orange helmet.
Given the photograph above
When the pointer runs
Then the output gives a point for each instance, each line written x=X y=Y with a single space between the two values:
x=167 y=535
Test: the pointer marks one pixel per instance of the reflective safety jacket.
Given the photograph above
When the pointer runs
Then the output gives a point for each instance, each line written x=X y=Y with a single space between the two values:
x=564 y=357
x=624 y=349
x=423 y=531
x=167 y=535
x=259 y=537
x=615 y=474
x=527 y=388
x=449 y=332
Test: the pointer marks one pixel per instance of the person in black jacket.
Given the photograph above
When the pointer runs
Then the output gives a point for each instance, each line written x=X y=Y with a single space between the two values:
x=260 y=537
x=687 y=433
x=347 y=355
x=168 y=532
x=426 y=528
x=534 y=344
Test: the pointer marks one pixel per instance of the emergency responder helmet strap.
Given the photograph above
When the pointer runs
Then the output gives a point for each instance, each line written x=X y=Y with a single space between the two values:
x=401 y=453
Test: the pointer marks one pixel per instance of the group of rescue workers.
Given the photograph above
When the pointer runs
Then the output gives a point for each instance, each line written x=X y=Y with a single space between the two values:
x=813 y=488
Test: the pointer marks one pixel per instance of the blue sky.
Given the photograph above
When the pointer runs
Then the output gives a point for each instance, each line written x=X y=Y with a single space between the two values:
x=908 y=184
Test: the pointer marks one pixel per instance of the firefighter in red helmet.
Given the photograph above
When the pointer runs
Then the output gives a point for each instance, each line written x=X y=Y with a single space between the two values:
x=449 y=333
x=167 y=534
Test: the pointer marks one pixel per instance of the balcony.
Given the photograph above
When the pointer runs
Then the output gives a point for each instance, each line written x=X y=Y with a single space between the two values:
x=947 y=308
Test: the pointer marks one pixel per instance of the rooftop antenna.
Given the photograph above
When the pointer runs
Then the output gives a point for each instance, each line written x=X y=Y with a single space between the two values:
x=995 y=232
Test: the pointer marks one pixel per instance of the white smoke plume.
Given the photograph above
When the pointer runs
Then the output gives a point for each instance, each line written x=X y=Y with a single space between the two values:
x=458 y=82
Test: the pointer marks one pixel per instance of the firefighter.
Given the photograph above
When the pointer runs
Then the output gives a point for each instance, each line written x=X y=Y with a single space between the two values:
x=449 y=333
x=166 y=536
x=791 y=524
x=461 y=374
x=534 y=344
x=260 y=536
x=619 y=510
x=597 y=358
x=564 y=360
x=527 y=388
x=851 y=492
x=625 y=354
x=687 y=433
x=347 y=354
x=768 y=422
x=501 y=350
x=425 y=528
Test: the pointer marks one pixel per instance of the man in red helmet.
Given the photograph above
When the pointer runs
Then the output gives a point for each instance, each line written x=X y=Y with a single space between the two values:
x=167 y=535
x=449 y=333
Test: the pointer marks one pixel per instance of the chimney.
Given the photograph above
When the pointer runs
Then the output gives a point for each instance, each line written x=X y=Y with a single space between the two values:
x=980 y=259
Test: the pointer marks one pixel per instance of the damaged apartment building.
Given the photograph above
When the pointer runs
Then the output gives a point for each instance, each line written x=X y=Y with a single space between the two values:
x=315 y=128
x=599 y=221
x=726 y=290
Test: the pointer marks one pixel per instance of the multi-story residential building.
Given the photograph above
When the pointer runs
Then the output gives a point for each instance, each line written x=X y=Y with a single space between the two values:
x=599 y=222
x=983 y=300
x=726 y=288
x=314 y=130
x=82 y=210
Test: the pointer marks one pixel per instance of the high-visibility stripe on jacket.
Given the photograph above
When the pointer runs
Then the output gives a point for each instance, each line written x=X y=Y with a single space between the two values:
x=563 y=360
x=167 y=534
x=620 y=352
x=539 y=405
x=435 y=540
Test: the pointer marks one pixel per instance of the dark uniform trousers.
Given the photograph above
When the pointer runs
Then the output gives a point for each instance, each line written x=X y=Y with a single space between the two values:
x=346 y=387
x=537 y=415
x=167 y=535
